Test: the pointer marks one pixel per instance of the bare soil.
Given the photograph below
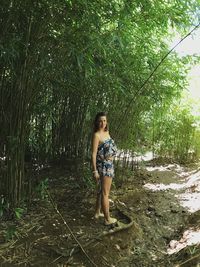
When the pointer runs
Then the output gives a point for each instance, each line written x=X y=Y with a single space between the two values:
x=44 y=236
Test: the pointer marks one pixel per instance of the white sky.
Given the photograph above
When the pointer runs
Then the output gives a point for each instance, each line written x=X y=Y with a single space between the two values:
x=194 y=82
x=191 y=46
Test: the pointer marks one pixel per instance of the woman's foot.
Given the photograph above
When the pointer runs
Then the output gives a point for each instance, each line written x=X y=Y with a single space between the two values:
x=98 y=215
x=110 y=221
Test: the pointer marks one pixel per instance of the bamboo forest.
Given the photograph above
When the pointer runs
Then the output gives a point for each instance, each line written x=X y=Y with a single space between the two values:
x=137 y=64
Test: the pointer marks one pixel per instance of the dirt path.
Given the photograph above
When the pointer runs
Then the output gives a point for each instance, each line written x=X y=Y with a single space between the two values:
x=156 y=218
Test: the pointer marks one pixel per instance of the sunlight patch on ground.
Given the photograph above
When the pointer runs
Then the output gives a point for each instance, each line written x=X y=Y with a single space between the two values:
x=159 y=187
x=192 y=180
x=190 y=201
x=190 y=198
x=170 y=167
x=190 y=237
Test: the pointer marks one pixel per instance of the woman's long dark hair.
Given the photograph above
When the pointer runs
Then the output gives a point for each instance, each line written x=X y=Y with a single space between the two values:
x=96 y=121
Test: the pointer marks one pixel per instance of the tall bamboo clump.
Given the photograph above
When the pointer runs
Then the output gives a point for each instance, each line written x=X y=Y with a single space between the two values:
x=105 y=60
x=23 y=53
x=61 y=62
x=15 y=99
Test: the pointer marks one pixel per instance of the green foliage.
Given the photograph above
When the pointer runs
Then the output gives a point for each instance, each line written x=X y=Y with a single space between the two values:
x=11 y=232
x=4 y=206
x=187 y=257
x=196 y=144
x=174 y=133
x=63 y=61
x=193 y=249
x=5 y=209
x=18 y=212
x=42 y=188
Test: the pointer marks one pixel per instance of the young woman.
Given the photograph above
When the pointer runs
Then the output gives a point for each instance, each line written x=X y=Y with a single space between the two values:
x=103 y=151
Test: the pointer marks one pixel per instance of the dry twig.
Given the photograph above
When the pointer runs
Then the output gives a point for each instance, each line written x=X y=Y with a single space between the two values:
x=69 y=229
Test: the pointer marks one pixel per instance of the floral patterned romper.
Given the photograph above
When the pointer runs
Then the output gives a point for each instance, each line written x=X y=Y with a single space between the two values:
x=104 y=160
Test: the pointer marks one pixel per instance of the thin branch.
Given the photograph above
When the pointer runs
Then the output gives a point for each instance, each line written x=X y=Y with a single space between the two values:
x=124 y=114
x=69 y=229
x=198 y=255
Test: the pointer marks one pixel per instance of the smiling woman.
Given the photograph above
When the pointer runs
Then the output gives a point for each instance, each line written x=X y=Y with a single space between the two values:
x=103 y=151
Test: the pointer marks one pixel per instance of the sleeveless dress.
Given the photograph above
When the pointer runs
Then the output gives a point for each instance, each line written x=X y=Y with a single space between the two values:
x=104 y=160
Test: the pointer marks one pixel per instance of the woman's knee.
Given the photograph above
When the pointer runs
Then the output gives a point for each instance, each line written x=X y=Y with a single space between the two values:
x=106 y=184
x=105 y=193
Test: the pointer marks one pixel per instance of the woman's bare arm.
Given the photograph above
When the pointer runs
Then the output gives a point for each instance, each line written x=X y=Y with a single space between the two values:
x=95 y=143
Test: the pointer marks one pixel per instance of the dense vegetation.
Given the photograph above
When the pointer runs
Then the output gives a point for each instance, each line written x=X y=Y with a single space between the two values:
x=62 y=61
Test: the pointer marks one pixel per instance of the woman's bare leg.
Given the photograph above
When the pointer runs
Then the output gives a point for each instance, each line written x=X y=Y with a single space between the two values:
x=106 y=184
x=98 y=210
x=98 y=204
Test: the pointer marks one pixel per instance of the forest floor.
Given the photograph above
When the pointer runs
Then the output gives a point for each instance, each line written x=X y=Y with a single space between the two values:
x=151 y=197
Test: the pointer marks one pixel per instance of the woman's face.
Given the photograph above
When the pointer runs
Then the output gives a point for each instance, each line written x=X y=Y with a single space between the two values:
x=102 y=122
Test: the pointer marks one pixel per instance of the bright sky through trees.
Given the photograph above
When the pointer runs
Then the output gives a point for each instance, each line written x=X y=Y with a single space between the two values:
x=194 y=82
x=191 y=46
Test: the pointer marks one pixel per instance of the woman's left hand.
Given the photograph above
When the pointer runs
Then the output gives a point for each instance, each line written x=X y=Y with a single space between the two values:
x=96 y=176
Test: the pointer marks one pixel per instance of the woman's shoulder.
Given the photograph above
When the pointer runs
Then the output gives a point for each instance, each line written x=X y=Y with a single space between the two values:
x=96 y=135
x=109 y=134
